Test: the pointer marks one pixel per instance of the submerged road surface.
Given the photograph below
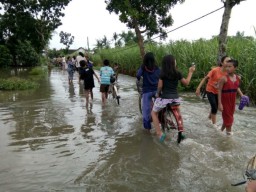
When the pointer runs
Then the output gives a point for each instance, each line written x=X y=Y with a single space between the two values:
x=50 y=141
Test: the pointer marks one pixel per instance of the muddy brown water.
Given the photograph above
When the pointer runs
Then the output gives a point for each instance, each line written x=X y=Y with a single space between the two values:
x=50 y=141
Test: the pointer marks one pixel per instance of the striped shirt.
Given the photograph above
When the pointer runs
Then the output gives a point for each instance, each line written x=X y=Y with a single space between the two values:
x=105 y=73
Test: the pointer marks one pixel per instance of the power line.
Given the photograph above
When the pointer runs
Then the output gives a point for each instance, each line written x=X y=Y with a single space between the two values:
x=177 y=27
x=192 y=21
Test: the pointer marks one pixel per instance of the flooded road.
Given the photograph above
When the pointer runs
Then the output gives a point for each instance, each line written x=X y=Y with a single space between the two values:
x=50 y=141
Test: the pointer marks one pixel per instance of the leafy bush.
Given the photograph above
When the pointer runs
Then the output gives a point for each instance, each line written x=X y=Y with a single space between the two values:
x=5 y=56
x=38 y=71
x=15 y=83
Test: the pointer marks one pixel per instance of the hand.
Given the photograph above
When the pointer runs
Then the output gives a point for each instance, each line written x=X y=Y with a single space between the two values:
x=220 y=107
x=197 y=92
x=192 y=68
x=251 y=186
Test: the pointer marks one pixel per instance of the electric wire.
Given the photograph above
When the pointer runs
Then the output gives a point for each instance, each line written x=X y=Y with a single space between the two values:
x=181 y=26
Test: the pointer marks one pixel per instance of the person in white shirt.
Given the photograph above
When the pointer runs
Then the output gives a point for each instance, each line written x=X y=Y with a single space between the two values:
x=79 y=58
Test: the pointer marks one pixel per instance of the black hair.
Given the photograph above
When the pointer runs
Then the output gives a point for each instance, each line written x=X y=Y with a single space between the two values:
x=169 y=67
x=149 y=61
x=82 y=63
x=80 y=53
x=106 y=62
x=234 y=62
x=222 y=59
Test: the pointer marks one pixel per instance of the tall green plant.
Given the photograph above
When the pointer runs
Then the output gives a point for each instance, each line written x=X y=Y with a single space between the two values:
x=202 y=52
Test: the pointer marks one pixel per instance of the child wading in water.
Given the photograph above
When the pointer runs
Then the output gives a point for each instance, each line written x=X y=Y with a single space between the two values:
x=213 y=78
x=167 y=89
x=228 y=88
x=150 y=72
x=86 y=74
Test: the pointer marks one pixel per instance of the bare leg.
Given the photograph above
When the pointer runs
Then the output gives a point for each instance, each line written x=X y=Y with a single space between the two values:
x=228 y=130
x=210 y=115
x=103 y=98
x=86 y=91
x=213 y=117
x=223 y=127
x=156 y=123
x=91 y=94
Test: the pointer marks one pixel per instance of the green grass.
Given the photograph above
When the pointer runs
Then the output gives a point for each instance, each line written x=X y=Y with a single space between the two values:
x=16 y=83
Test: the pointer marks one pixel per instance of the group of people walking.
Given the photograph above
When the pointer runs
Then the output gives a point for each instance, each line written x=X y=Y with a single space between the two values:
x=162 y=83
x=86 y=73
x=222 y=88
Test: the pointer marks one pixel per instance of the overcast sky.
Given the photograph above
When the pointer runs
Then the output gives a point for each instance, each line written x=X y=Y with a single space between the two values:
x=89 y=19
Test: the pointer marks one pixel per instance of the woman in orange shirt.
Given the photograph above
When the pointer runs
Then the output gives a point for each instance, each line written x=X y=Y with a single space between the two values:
x=213 y=78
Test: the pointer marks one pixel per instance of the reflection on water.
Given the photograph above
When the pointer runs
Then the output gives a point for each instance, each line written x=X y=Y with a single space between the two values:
x=71 y=90
x=52 y=141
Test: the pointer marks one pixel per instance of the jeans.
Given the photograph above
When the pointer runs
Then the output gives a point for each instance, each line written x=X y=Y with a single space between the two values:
x=147 y=107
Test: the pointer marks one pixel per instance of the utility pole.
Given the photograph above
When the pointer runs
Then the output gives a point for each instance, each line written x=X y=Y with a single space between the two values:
x=88 y=44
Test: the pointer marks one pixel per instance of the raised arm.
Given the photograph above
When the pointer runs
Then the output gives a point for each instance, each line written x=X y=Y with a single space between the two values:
x=190 y=73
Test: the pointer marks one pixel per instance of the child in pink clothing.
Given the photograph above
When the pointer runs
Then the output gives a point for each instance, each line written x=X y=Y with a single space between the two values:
x=228 y=88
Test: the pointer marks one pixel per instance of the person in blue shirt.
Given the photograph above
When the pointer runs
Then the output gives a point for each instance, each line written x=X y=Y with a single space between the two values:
x=150 y=73
x=105 y=73
x=70 y=69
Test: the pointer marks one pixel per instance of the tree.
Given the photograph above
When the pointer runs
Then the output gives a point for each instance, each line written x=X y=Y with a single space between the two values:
x=128 y=38
x=29 y=21
x=103 y=43
x=99 y=44
x=148 y=16
x=115 y=36
x=66 y=39
x=228 y=5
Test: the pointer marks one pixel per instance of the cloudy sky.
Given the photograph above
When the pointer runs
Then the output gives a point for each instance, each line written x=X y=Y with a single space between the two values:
x=89 y=19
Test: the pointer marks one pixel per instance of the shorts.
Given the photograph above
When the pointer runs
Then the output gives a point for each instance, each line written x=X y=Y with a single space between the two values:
x=104 y=88
x=161 y=103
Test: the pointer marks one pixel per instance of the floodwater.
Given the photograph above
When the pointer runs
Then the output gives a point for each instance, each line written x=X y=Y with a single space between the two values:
x=50 y=141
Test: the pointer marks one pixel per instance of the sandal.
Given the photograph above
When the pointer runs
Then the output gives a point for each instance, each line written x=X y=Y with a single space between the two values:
x=162 y=138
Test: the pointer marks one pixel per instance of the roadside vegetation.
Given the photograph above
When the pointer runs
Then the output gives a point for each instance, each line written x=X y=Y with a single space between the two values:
x=19 y=82
x=202 y=52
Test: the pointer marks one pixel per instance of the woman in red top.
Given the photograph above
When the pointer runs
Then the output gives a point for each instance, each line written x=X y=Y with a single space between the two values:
x=228 y=87
x=213 y=78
